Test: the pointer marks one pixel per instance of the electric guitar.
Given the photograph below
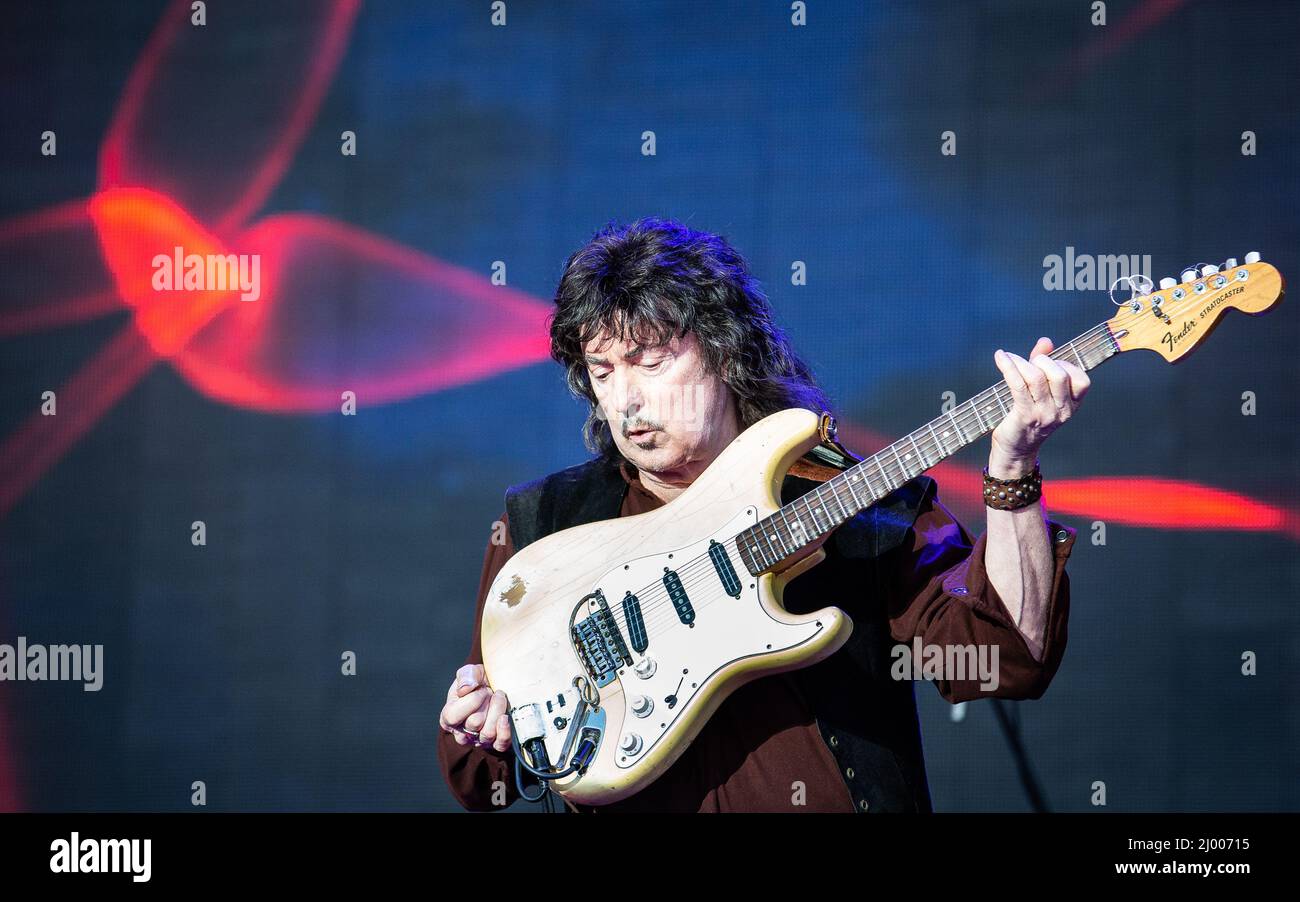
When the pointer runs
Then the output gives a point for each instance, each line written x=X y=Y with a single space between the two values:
x=615 y=641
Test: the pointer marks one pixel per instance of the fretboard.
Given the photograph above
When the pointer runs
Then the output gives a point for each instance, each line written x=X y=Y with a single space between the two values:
x=812 y=515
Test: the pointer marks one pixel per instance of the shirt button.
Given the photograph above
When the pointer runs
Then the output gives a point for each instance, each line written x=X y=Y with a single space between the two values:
x=864 y=805
x=1062 y=535
x=850 y=773
x=835 y=742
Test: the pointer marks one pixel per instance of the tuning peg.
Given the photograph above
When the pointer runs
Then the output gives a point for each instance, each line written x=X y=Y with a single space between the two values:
x=1208 y=270
x=1252 y=257
x=1167 y=282
x=1229 y=263
x=1188 y=275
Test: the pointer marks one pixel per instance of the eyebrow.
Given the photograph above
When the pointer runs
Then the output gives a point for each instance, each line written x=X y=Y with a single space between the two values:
x=637 y=351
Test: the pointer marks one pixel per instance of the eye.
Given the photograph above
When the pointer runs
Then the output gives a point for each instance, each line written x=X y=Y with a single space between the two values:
x=652 y=367
x=600 y=377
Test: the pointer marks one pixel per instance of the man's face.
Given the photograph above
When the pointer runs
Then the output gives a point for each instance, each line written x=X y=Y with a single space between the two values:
x=667 y=413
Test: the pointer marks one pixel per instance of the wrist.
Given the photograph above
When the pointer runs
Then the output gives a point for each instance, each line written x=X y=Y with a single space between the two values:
x=1002 y=466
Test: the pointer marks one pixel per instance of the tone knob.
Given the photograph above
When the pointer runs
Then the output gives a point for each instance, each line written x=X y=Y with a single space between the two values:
x=1208 y=270
x=630 y=744
x=642 y=705
x=1188 y=275
x=1252 y=257
x=1167 y=282
x=645 y=668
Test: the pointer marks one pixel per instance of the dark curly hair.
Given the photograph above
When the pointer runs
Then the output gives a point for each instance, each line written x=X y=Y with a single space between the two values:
x=655 y=279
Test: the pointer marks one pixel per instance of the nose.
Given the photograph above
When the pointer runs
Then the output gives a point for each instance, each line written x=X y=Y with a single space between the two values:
x=628 y=399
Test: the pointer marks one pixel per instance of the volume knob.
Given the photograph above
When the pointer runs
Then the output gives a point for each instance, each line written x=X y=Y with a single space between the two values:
x=630 y=744
x=645 y=668
x=642 y=705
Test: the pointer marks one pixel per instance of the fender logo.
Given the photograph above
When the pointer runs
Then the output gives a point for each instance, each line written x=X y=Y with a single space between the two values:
x=1172 y=339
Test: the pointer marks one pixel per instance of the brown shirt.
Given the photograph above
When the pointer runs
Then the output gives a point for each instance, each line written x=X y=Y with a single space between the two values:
x=763 y=739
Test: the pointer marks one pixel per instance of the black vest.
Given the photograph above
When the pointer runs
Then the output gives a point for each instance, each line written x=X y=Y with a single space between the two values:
x=870 y=716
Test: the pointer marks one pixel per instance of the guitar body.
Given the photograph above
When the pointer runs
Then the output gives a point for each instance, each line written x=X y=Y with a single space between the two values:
x=648 y=711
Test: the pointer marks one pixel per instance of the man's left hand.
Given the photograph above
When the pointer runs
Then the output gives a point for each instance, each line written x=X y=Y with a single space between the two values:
x=1046 y=393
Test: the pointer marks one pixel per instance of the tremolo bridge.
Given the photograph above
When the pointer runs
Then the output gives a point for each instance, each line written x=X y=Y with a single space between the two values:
x=598 y=641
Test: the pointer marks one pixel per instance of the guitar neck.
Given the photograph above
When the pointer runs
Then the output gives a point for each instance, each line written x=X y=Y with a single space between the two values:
x=801 y=522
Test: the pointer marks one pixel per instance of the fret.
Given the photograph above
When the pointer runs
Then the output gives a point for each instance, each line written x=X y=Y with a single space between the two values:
x=957 y=426
x=881 y=468
x=984 y=427
x=997 y=393
x=925 y=465
x=821 y=505
x=901 y=469
x=799 y=532
x=948 y=432
x=763 y=533
x=811 y=515
x=835 y=493
x=825 y=506
x=829 y=511
x=942 y=450
x=812 y=512
x=788 y=545
x=851 y=477
x=1075 y=349
x=867 y=477
x=992 y=410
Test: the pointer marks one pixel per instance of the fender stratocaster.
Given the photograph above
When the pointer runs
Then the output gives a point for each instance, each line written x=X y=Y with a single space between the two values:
x=615 y=641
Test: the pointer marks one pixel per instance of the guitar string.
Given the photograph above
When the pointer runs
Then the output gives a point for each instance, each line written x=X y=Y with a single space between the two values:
x=656 y=597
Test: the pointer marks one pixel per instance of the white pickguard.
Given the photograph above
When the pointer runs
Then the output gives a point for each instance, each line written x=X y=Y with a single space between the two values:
x=725 y=629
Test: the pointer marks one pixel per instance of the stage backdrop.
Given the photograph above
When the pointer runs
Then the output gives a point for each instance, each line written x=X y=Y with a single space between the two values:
x=236 y=492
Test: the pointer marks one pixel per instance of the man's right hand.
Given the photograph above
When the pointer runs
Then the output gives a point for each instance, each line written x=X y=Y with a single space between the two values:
x=474 y=713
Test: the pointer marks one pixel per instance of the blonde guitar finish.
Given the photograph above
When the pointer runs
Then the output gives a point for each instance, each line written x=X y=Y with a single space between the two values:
x=525 y=631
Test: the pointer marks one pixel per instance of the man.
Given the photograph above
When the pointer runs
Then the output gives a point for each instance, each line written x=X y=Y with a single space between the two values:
x=664 y=333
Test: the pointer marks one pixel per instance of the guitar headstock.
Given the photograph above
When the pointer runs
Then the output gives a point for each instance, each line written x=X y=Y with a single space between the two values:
x=1175 y=317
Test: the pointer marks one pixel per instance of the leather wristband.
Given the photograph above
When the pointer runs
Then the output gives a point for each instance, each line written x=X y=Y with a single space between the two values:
x=1013 y=494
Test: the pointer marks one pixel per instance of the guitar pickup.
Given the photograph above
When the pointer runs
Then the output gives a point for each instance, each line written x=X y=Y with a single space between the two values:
x=677 y=594
x=726 y=572
x=635 y=623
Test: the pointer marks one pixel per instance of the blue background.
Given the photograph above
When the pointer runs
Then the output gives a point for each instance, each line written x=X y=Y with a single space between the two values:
x=818 y=143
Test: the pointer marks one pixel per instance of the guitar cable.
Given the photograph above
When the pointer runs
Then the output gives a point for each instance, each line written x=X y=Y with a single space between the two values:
x=537 y=753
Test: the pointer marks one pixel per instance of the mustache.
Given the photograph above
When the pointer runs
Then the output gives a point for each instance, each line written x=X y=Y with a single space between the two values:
x=639 y=424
